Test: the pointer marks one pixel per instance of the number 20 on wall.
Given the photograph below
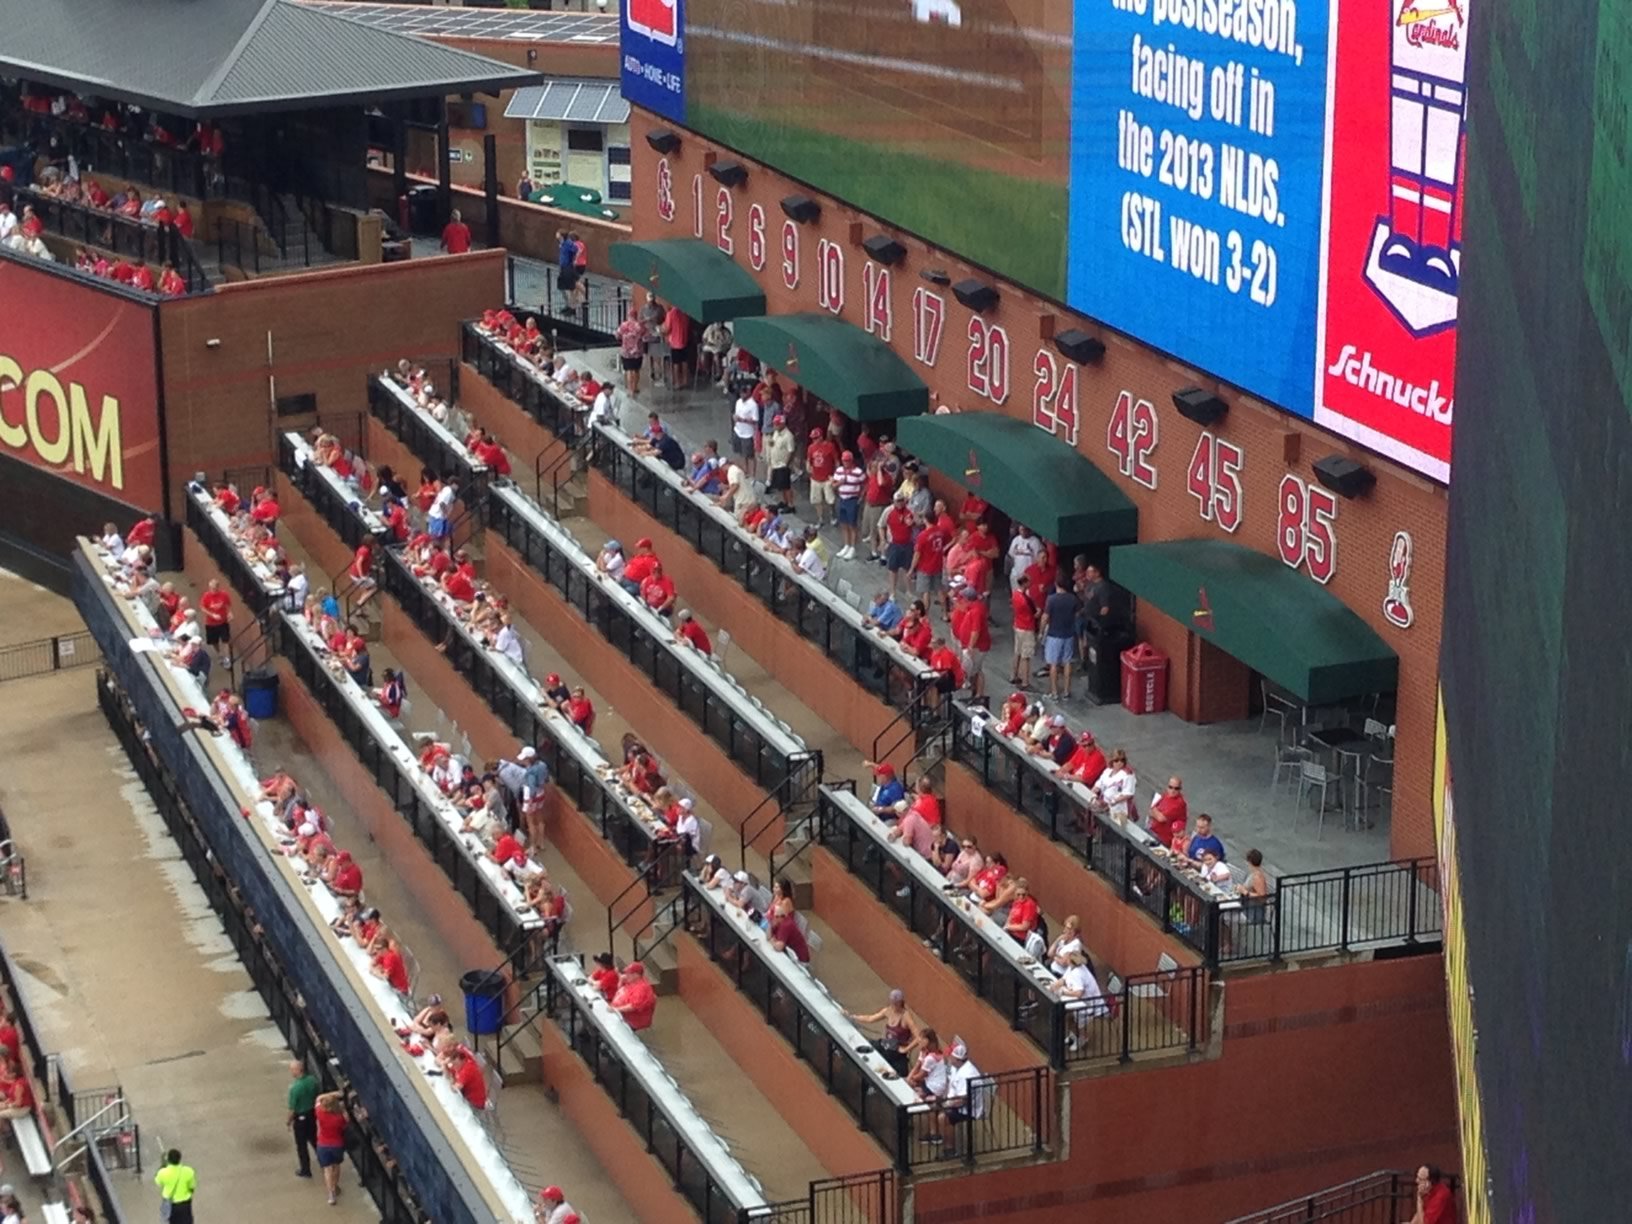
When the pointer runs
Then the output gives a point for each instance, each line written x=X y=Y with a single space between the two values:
x=1306 y=528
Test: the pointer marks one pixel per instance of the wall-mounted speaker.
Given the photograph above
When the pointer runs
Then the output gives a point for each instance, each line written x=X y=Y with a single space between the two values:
x=1078 y=346
x=729 y=172
x=935 y=276
x=1202 y=407
x=1344 y=476
x=801 y=208
x=663 y=140
x=975 y=294
x=884 y=249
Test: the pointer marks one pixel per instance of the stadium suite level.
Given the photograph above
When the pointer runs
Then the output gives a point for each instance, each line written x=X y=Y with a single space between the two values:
x=1246 y=482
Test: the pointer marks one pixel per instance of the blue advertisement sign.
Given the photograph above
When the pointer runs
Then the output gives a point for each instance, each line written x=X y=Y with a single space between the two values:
x=1198 y=135
x=653 y=44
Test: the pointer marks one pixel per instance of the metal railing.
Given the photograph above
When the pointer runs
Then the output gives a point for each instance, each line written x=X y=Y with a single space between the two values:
x=556 y=411
x=861 y=1198
x=382 y=1177
x=1160 y=1013
x=183 y=171
x=1017 y=1107
x=434 y=449
x=336 y=510
x=594 y=319
x=124 y=1144
x=1384 y=1197
x=144 y=241
x=1339 y=910
x=673 y=670
x=45 y=655
x=818 y=615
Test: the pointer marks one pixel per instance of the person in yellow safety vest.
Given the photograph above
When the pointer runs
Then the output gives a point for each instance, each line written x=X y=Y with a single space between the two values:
x=177 y=1183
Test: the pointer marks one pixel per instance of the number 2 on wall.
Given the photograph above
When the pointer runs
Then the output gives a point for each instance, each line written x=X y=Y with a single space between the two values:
x=1054 y=398
x=722 y=223
x=1306 y=530
x=988 y=360
x=1131 y=435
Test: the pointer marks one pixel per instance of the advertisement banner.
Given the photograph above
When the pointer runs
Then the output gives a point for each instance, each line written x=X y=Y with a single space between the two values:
x=654 y=56
x=1387 y=359
x=79 y=393
x=1197 y=159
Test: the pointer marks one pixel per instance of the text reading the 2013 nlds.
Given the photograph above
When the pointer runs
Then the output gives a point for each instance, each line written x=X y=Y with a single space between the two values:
x=1169 y=138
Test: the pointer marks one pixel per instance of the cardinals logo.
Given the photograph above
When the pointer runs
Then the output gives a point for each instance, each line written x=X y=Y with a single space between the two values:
x=1397 y=603
x=971 y=474
x=658 y=20
x=1202 y=617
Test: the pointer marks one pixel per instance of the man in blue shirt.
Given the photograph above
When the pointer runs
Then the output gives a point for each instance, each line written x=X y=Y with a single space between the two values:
x=1203 y=839
x=883 y=614
x=887 y=791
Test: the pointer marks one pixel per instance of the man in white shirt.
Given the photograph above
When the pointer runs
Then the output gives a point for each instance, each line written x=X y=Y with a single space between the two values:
x=112 y=542
x=964 y=1101
x=294 y=591
x=810 y=561
x=508 y=643
x=1023 y=550
x=744 y=428
x=8 y=222
x=1085 y=1001
x=438 y=522
x=686 y=826
x=601 y=411
x=611 y=561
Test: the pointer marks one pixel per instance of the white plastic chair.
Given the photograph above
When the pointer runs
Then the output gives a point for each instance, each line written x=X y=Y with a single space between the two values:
x=722 y=644
x=1289 y=761
x=1313 y=776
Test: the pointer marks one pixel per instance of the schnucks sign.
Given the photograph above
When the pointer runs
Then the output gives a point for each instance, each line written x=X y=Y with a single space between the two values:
x=79 y=392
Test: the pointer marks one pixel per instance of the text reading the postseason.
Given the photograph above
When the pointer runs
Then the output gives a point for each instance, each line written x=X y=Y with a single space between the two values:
x=1181 y=153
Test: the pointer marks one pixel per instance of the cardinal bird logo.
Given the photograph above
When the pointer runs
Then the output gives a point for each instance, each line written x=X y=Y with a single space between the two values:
x=1202 y=617
x=971 y=474
x=792 y=363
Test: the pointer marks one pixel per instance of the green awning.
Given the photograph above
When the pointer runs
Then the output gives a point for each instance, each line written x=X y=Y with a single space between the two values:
x=1266 y=614
x=1032 y=476
x=700 y=279
x=836 y=361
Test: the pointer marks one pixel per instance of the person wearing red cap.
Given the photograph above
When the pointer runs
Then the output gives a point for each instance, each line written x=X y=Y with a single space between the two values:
x=467 y=1077
x=348 y=876
x=639 y=567
x=821 y=460
x=1086 y=763
x=779 y=444
x=605 y=975
x=635 y=999
x=887 y=790
x=553 y=1207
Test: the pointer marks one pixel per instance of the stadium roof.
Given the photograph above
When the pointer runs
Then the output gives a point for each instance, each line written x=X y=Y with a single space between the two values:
x=505 y=25
x=220 y=57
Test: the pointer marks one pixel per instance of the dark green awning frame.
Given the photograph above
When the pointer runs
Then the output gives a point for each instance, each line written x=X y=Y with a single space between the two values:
x=837 y=362
x=1032 y=476
x=699 y=278
x=1269 y=616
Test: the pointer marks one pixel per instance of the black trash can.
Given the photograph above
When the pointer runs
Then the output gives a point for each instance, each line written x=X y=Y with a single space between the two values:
x=1103 y=665
x=484 y=1001
x=422 y=209
x=261 y=693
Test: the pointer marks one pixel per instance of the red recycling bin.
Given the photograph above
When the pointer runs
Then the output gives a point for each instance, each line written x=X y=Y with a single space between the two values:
x=1144 y=679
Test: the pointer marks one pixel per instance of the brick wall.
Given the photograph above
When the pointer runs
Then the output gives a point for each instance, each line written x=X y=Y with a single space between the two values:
x=1273 y=444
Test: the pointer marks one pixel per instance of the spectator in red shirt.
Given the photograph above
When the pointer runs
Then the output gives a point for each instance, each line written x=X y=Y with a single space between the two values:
x=915 y=632
x=1086 y=761
x=467 y=1077
x=605 y=975
x=1023 y=606
x=879 y=492
x=396 y=518
x=928 y=561
x=122 y=272
x=348 y=877
x=635 y=1000
x=926 y=802
x=1013 y=714
x=1023 y=912
x=455 y=235
x=657 y=591
x=183 y=220
x=1436 y=1204
x=1170 y=813
x=974 y=634
x=943 y=658
x=170 y=282
x=581 y=711
x=639 y=566
x=264 y=509
x=458 y=586
x=387 y=963
x=787 y=937
x=217 y=607
x=11 y=1039
x=491 y=452
x=821 y=461
x=693 y=634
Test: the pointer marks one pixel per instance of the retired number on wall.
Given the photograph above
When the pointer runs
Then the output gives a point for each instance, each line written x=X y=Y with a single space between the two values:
x=1306 y=529
x=1054 y=397
x=1131 y=435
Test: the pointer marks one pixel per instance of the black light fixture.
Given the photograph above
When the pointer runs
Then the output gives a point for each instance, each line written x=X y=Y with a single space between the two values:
x=975 y=294
x=884 y=249
x=1202 y=407
x=935 y=276
x=801 y=208
x=1344 y=476
x=664 y=140
x=729 y=173
x=1078 y=346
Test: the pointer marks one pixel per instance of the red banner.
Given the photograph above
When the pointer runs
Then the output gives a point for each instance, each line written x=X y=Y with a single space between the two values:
x=1394 y=246
x=79 y=392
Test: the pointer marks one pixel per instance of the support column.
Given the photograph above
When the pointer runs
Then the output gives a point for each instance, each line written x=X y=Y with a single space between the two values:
x=490 y=160
x=444 y=168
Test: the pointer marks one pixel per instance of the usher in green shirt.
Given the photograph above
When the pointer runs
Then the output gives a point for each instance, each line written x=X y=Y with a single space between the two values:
x=303 y=1094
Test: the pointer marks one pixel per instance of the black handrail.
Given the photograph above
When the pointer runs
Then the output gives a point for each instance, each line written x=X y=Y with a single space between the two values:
x=643 y=884
x=1376 y=1198
x=146 y=241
